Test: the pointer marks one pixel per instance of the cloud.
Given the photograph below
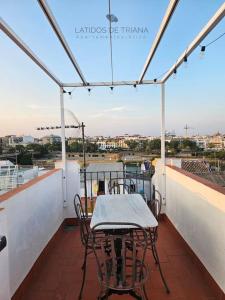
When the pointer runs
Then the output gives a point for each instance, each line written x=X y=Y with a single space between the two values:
x=106 y=112
x=118 y=108
x=97 y=115
x=40 y=107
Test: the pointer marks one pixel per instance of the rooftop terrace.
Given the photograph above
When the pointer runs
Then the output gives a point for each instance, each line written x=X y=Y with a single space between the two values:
x=57 y=274
x=44 y=255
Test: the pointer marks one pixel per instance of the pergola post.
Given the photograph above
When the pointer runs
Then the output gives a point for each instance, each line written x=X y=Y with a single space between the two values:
x=63 y=140
x=163 y=148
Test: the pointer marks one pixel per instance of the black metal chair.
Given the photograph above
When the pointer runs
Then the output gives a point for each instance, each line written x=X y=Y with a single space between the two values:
x=84 y=236
x=122 y=268
x=117 y=187
x=155 y=205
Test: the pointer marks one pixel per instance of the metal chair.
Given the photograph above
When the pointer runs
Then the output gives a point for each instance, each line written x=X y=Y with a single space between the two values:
x=117 y=187
x=127 y=184
x=155 y=206
x=121 y=269
x=84 y=236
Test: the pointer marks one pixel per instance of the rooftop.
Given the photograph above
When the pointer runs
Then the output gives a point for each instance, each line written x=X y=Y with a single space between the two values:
x=57 y=274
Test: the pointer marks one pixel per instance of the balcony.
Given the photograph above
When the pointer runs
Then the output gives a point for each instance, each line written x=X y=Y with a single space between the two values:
x=44 y=255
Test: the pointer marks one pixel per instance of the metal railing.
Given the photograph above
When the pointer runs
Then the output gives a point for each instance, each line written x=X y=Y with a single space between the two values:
x=100 y=182
x=13 y=176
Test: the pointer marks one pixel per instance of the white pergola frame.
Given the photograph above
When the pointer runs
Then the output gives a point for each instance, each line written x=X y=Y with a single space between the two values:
x=217 y=17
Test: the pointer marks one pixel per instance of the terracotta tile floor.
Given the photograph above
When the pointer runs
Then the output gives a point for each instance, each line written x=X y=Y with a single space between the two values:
x=59 y=276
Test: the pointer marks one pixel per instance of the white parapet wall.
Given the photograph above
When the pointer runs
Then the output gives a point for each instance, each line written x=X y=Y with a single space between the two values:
x=34 y=212
x=4 y=260
x=197 y=210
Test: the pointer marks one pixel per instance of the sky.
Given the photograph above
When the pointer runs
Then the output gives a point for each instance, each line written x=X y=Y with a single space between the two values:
x=30 y=99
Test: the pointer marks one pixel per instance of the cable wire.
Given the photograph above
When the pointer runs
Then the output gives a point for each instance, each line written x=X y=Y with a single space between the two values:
x=213 y=41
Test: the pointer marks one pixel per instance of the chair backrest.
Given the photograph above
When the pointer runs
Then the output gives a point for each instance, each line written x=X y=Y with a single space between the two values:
x=82 y=219
x=120 y=257
x=156 y=204
x=119 y=188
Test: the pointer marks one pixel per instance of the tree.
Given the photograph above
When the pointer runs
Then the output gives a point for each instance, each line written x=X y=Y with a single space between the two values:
x=24 y=159
x=20 y=148
x=190 y=145
x=132 y=144
x=154 y=145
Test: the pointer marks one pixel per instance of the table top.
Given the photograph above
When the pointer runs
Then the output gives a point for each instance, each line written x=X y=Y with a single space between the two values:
x=129 y=208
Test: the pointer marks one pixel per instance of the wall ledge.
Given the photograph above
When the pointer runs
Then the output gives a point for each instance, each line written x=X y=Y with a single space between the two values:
x=26 y=185
x=199 y=179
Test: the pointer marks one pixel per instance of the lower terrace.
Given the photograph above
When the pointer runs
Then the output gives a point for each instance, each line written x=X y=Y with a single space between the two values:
x=44 y=255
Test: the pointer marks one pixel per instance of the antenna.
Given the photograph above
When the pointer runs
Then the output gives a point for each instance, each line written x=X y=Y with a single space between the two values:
x=186 y=128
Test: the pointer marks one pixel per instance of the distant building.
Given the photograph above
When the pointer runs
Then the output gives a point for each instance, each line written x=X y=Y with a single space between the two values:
x=74 y=140
x=201 y=141
x=112 y=144
x=217 y=141
x=23 y=140
x=51 y=139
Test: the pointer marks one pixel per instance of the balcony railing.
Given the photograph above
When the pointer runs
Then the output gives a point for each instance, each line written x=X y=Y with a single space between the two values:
x=99 y=183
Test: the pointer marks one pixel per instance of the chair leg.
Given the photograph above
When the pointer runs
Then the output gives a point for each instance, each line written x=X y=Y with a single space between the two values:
x=84 y=273
x=145 y=294
x=153 y=253
x=160 y=270
x=136 y=296
x=103 y=296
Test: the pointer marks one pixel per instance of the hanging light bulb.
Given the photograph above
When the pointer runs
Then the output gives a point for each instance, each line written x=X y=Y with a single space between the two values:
x=185 y=62
x=111 y=89
x=70 y=94
x=89 y=92
x=135 y=86
x=175 y=73
x=202 y=53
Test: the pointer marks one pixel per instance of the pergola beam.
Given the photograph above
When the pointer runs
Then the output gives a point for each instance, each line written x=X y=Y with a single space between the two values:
x=109 y=83
x=165 y=22
x=49 y=15
x=218 y=16
x=12 y=35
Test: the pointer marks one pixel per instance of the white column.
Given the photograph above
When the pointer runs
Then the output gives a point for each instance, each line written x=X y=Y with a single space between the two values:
x=163 y=154
x=63 y=139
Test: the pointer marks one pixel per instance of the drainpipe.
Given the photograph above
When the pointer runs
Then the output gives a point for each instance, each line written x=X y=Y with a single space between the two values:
x=63 y=139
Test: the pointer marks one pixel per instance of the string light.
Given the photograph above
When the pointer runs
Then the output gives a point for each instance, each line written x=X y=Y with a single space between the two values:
x=70 y=94
x=111 y=89
x=136 y=88
x=175 y=73
x=185 y=62
x=89 y=92
x=202 y=53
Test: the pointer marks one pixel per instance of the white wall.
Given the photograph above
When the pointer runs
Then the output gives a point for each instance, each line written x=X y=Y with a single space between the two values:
x=33 y=217
x=4 y=262
x=198 y=213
